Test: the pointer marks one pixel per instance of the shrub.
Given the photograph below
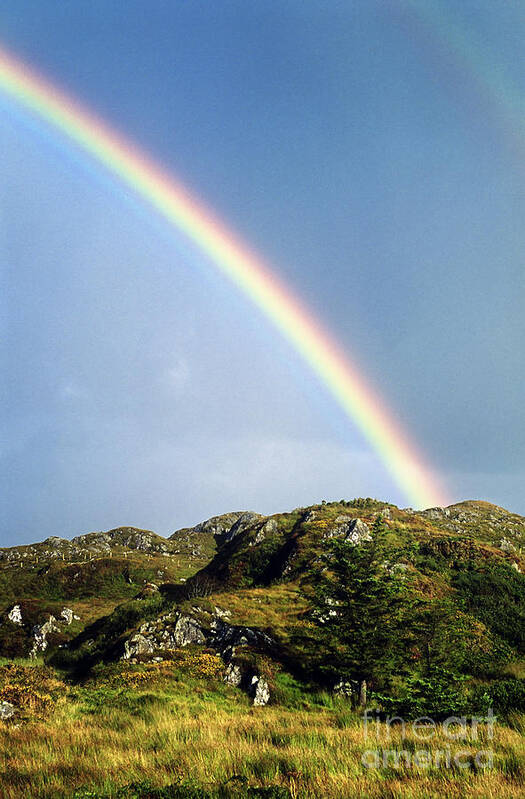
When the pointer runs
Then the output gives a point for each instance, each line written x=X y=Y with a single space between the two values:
x=439 y=695
x=502 y=695
x=496 y=595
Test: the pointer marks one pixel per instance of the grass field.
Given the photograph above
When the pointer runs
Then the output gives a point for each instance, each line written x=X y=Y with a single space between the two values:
x=134 y=730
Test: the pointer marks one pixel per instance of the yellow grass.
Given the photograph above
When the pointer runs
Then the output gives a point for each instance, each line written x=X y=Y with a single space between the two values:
x=212 y=735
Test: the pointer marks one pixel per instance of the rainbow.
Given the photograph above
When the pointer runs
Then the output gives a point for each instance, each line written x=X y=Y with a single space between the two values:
x=235 y=260
x=504 y=101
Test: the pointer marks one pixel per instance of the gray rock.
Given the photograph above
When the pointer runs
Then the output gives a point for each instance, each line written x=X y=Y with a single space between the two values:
x=7 y=710
x=223 y=528
x=244 y=521
x=265 y=529
x=352 y=530
x=166 y=633
x=345 y=688
x=40 y=633
x=15 y=614
x=67 y=614
x=222 y=614
x=188 y=631
x=138 y=644
x=260 y=690
x=233 y=674
x=225 y=636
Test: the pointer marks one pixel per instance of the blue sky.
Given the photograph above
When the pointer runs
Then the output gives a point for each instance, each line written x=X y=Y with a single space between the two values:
x=361 y=156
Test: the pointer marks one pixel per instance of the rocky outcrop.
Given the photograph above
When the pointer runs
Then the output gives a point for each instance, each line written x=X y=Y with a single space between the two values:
x=352 y=530
x=255 y=685
x=36 y=626
x=187 y=631
x=225 y=638
x=482 y=521
x=167 y=633
x=245 y=520
x=267 y=528
x=220 y=613
x=40 y=633
x=126 y=537
x=436 y=514
x=175 y=630
x=87 y=547
x=222 y=529
x=138 y=645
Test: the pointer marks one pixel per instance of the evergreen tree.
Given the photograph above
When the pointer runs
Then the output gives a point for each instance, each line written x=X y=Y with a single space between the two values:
x=357 y=597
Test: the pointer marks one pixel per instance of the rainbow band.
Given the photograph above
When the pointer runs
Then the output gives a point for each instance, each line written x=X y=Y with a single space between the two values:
x=238 y=263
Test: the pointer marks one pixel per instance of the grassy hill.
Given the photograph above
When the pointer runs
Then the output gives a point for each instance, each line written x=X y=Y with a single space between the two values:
x=220 y=620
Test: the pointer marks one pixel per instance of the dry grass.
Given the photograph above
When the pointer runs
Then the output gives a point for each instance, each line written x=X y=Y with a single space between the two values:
x=275 y=608
x=101 y=738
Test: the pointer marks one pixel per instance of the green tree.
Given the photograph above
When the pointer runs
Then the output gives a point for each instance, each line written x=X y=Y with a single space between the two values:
x=445 y=637
x=357 y=597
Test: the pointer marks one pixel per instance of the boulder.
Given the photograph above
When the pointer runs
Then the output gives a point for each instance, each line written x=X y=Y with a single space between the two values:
x=188 y=631
x=7 y=710
x=233 y=674
x=67 y=615
x=346 y=688
x=434 y=514
x=15 y=614
x=138 y=644
x=260 y=690
x=166 y=633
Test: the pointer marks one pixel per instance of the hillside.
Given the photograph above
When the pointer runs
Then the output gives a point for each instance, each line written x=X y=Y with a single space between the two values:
x=235 y=609
x=91 y=574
